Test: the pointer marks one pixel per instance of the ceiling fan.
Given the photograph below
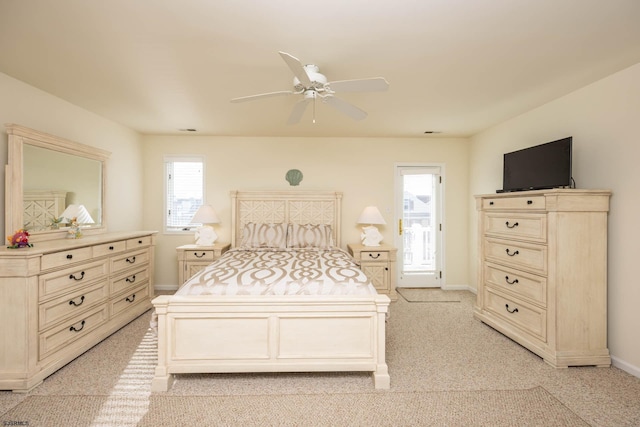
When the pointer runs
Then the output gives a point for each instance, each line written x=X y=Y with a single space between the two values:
x=312 y=85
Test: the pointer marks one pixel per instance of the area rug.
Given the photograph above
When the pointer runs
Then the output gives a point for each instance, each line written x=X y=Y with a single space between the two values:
x=428 y=295
x=530 y=407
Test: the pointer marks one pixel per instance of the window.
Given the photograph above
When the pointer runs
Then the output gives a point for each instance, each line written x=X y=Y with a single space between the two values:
x=184 y=183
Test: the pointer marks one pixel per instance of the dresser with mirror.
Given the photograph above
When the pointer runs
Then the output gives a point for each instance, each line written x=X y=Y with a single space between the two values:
x=61 y=296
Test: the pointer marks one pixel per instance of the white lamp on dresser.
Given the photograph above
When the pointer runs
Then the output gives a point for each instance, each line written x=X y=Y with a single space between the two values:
x=205 y=234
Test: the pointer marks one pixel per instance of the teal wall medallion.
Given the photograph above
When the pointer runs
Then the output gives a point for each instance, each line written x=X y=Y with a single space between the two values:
x=294 y=176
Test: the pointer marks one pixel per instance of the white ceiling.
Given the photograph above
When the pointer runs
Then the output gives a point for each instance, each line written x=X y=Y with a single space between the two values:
x=454 y=66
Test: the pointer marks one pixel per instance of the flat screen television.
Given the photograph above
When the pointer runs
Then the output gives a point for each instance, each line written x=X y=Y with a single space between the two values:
x=540 y=167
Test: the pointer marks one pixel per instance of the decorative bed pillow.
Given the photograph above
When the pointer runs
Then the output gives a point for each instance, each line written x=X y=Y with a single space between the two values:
x=259 y=235
x=310 y=236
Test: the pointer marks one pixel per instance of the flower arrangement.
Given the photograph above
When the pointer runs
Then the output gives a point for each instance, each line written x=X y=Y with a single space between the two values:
x=20 y=239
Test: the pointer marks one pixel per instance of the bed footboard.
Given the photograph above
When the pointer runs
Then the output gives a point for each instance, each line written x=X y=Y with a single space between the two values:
x=208 y=334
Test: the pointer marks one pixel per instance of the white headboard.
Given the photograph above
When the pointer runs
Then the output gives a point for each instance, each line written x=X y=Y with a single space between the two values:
x=295 y=207
x=41 y=207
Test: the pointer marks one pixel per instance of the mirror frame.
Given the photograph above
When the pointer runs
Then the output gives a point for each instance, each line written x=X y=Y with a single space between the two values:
x=14 y=192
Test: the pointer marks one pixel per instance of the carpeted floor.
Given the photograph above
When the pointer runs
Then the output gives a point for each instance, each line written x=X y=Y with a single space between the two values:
x=446 y=369
x=429 y=295
x=533 y=407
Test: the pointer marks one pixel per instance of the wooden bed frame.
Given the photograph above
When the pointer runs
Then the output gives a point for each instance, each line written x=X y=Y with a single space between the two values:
x=213 y=334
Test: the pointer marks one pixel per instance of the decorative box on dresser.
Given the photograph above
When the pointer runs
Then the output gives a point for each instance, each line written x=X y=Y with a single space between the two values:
x=61 y=297
x=193 y=258
x=379 y=264
x=542 y=276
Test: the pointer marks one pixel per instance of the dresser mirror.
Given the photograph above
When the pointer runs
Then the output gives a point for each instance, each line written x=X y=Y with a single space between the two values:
x=45 y=176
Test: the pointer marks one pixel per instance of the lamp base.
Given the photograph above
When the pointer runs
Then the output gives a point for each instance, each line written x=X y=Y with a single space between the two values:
x=205 y=236
x=371 y=236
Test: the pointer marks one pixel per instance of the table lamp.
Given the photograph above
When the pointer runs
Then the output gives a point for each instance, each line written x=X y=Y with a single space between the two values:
x=370 y=235
x=205 y=234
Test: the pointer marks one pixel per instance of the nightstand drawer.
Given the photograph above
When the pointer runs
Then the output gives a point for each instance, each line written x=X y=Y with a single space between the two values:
x=519 y=226
x=520 y=255
x=199 y=255
x=529 y=318
x=374 y=256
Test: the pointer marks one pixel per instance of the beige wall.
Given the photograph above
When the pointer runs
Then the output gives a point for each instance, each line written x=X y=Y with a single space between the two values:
x=27 y=106
x=363 y=169
x=603 y=120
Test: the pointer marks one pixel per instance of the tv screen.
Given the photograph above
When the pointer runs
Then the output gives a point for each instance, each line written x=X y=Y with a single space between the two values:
x=541 y=167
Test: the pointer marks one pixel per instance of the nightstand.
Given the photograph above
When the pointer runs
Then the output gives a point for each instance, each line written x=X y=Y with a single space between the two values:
x=379 y=264
x=193 y=258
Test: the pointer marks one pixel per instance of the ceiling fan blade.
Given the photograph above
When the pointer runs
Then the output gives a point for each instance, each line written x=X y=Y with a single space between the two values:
x=263 y=95
x=374 y=84
x=345 y=107
x=298 y=111
x=296 y=67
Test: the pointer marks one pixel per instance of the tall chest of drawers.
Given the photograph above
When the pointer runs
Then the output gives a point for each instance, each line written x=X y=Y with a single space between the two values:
x=542 y=272
x=62 y=297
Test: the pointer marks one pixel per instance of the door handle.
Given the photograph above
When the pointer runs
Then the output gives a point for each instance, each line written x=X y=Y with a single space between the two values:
x=400 y=227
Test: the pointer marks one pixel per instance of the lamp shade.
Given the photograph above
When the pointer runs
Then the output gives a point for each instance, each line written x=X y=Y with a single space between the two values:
x=205 y=215
x=79 y=212
x=371 y=215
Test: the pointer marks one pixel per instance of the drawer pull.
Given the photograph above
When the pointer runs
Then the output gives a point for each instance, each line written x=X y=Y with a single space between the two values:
x=72 y=276
x=72 y=302
x=130 y=299
x=515 y=224
x=195 y=254
x=512 y=254
x=131 y=279
x=111 y=248
x=491 y=203
x=529 y=202
x=513 y=282
x=73 y=328
x=69 y=256
x=139 y=242
x=374 y=257
x=131 y=260
x=515 y=310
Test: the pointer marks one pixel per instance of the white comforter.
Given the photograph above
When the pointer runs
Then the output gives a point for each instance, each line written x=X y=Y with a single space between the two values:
x=280 y=272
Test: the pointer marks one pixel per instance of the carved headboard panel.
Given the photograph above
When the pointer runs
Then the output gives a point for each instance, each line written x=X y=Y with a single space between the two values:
x=295 y=207
x=41 y=207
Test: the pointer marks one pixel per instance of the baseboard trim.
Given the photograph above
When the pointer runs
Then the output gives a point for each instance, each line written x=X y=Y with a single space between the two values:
x=166 y=287
x=459 y=288
x=627 y=367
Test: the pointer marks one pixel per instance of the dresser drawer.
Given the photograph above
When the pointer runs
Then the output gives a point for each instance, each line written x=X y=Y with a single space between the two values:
x=109 y=248
x=72 y=304
x=514 y=203
x=129 y=279
x=139 y=242
x=66 y=333
x=135 y=297
x=64 y=258
x=523 y=284
x=516 y=226
x=129 y=260
x=374 y=256
x=196 y=255
x=526 y=317
x=52 y=284
x=520 y=255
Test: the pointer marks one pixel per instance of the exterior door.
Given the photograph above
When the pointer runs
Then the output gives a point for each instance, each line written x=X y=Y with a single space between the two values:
x=419 y=226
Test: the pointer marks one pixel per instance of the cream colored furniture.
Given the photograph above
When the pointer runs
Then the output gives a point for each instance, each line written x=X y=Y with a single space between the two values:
x=295 y=333
x=543 y=272
x=61 y=297
x=193 y=258
x=379 y=264
x=39 y=162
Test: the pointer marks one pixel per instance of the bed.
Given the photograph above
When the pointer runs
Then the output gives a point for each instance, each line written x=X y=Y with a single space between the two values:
x=238 y=315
